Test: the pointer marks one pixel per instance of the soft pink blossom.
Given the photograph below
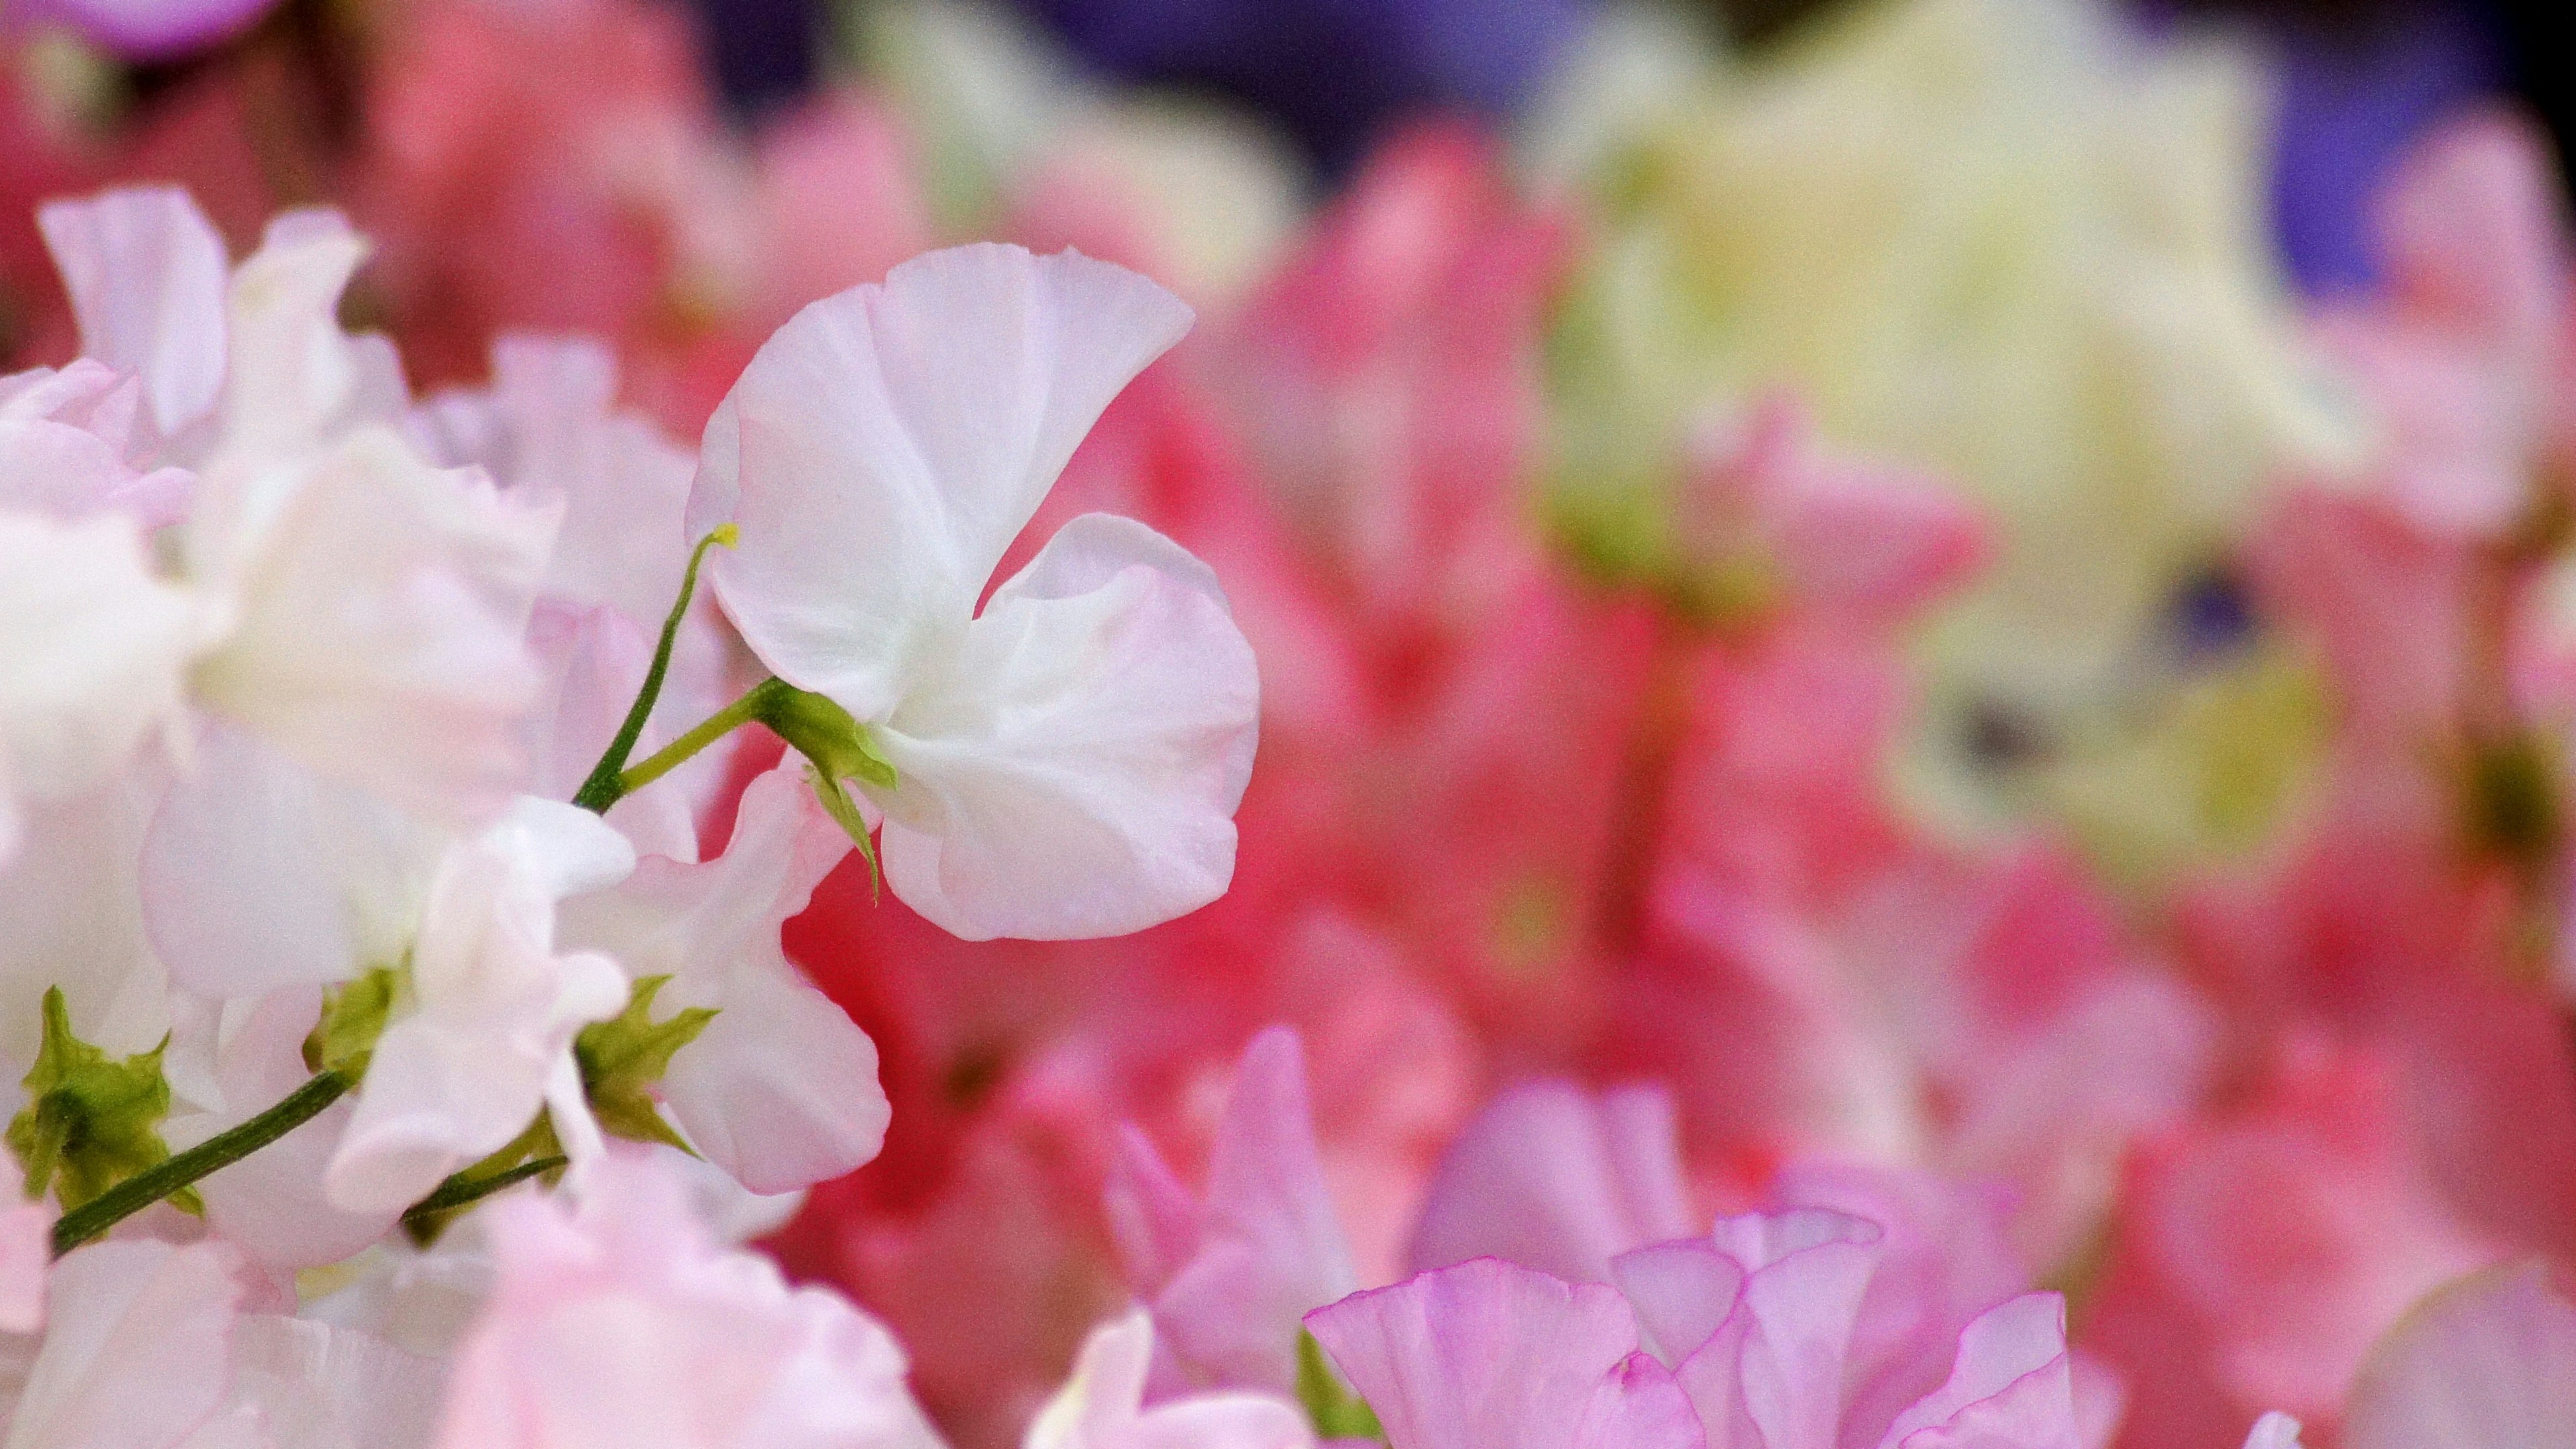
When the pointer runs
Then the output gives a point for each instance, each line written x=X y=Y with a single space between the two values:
x=618 y=1323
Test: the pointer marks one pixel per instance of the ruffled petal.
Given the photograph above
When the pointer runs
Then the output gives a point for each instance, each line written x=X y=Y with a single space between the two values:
x=780 y=1088
x=1074 y=769
x=1483 y=1355
x=380 y=638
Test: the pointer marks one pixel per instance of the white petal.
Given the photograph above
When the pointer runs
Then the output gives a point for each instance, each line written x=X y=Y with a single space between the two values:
x=92 y=648
x=380 y=632
x=317 y=1386
x=258 y=873
x=1075 y=770
x=71 y=916
x=290 y=371
x=495 y=1008
x=781 y=1088
x=270 y=1203
x=886 y=446
x=145 y=270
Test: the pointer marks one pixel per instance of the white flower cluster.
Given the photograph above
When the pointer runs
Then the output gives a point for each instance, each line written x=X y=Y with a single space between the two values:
x=350 y=808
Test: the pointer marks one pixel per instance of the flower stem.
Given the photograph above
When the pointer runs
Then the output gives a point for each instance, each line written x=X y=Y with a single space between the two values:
x=606 y=784
x=753 y=705
x=145 y=1188
x=461 y=1190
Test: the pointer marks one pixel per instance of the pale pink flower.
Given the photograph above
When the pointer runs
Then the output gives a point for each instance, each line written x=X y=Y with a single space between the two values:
x=136 y=1352
x=26 y=1248
x=2467 y=354
x=619 y=1325
x=2489 y=1363
x=93 y=652
x=358 y=607
x=68 y=439
x=1068 y=758
x=1102 y=1406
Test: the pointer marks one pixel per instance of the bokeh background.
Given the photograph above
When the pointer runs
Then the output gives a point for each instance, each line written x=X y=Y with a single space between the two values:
x=1975 y=585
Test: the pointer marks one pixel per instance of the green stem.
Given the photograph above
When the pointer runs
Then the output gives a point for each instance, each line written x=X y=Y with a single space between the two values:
x=605 y=785
x=460 y=1190
x=220 y=1151
x=754 y=704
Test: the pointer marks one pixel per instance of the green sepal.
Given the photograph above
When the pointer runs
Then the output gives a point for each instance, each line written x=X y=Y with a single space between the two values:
x=624 y=1057
x=826 y=734
x=845 y=812
x=90 y=1122
x=1336 y=1411
x=353 y=1017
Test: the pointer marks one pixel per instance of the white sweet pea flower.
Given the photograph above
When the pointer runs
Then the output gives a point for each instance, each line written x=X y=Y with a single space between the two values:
x=485 y=1039
x=1102 y=1405
x=93 y=649
x=355 y=605
x=780 y=1088
x=1067 y=761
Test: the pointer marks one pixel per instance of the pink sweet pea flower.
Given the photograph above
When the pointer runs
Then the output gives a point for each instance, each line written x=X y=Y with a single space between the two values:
x=1229 y=1279
x=2467 y=355
x=1102 y=1406
x=1489 y=1355
x=2262 y=1252
x=620 y=1325
x=1068 y=759
x=1555 y=1178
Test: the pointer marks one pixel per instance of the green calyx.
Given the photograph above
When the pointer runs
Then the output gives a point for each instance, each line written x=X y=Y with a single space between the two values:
x=824 y=733
x=623 y=1058
x=1336 y=1411
x=353 y=1017
x=836 y=747
x=90 y=1122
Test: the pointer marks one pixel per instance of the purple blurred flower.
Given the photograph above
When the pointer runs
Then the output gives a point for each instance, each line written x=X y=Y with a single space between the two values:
x=148 y=30
x=2350 y=102
x=1333 y=70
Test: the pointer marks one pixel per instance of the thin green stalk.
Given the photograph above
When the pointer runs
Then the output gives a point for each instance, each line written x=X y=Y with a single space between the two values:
x=753 y=705
x=460 y=1190
x=605 y=785
x=183 y=1169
